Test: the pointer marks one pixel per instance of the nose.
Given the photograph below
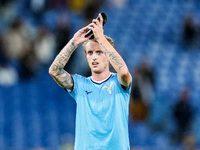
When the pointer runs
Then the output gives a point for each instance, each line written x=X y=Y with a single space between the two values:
x=94 y=56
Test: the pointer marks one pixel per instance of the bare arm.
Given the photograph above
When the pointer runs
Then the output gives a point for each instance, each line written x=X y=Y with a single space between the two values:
x=62 y=77
x=117 y=62
x=113 y=56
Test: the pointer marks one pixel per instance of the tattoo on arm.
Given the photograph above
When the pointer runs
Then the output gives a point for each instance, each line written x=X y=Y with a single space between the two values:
x=64 y=56
x=62 y=77
x=114 y=58
x=119 y=65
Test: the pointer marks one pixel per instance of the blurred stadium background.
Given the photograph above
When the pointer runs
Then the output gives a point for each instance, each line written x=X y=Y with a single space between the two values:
x=159 y=40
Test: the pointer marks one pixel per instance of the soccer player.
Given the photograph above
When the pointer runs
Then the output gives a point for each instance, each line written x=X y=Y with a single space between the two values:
x=102 y=99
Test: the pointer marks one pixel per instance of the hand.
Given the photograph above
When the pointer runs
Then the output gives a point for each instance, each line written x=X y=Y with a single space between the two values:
x=97 y=27
x=79 y=36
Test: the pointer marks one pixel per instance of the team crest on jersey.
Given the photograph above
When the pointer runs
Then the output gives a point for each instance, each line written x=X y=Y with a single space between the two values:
x=109 y=88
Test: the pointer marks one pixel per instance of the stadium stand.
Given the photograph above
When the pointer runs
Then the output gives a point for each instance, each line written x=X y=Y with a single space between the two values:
x=38 y=113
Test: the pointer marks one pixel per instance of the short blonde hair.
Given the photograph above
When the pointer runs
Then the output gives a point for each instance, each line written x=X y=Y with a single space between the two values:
x=110 y=40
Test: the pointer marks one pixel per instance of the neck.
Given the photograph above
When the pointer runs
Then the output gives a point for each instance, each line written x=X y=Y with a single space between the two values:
x=100 y=76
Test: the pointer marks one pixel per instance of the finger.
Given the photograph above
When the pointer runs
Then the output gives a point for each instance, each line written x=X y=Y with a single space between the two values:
x=92 y=28
x=93 y=25
x=95 y=21
x=84 y=29
x=101 y=19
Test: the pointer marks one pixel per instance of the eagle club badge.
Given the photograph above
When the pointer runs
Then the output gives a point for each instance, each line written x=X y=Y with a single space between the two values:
x=109 y=88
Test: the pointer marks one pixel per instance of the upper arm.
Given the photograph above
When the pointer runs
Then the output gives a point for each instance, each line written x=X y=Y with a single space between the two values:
x=124 y=78
x=64 y=79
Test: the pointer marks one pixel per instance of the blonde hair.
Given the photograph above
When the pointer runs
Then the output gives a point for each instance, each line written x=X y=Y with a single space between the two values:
x=110 y=40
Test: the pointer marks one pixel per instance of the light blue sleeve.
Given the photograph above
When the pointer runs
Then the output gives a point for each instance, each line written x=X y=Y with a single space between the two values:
x=125 y=89
x=78 y=82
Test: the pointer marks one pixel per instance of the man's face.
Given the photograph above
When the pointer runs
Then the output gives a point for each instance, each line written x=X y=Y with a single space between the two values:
x=96 y=57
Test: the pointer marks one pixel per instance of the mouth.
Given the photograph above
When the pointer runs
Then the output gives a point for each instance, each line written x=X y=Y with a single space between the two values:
x=95 y=64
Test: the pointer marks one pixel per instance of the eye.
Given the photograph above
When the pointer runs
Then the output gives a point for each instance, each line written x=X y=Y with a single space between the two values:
x=90 y=52
x=99 y=52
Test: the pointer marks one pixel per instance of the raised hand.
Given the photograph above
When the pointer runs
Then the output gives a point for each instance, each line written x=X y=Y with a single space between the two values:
x=79 y=36
x=97 y=27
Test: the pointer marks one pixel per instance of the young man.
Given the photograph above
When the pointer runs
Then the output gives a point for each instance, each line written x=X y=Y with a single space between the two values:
x=102 y=99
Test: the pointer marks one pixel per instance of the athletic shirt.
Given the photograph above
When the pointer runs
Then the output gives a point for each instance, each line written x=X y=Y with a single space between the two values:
x=101 y=114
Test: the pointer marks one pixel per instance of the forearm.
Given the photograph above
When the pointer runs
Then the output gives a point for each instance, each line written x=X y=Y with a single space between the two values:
x=62 y=58
x=56 y=70
x=116 y=61
x=113 y=56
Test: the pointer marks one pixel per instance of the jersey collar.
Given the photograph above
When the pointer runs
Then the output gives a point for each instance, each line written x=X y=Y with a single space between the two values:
x=102 y=81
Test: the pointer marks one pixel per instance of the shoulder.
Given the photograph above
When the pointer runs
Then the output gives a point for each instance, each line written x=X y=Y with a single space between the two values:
x=115 y=78
x=114 y=75
x=78 y=79
x=79 y=82
x=78 y=76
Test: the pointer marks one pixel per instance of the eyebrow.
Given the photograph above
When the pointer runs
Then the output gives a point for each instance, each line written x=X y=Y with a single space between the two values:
x=89 y=51
x=94 y=50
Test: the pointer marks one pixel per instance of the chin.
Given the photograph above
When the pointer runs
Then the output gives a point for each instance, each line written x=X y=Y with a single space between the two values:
x=96 y=71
